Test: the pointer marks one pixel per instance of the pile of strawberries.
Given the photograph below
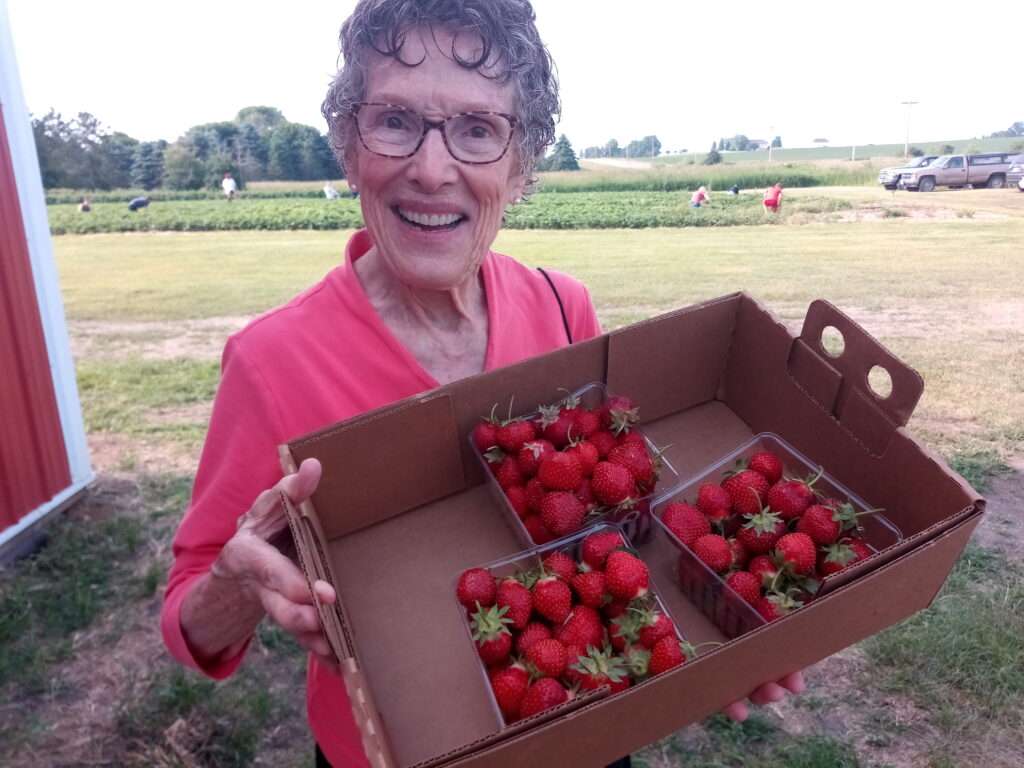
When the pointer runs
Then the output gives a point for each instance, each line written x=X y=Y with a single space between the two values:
x=771 y=537
x=568 y=464
x=584 y=619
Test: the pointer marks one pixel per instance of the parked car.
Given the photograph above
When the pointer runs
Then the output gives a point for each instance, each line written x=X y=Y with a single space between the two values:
x=1015 y=173
x=988 y=170
x=890 y=177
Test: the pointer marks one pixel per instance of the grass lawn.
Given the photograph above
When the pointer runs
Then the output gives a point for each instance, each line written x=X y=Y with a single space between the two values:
x=148 y=314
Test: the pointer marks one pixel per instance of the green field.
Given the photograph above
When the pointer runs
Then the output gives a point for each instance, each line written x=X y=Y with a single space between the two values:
x=937 y=278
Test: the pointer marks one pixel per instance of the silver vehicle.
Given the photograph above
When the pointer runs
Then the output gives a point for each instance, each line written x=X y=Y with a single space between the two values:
x=959 y=171
x=1015 y=173
x=890 y=177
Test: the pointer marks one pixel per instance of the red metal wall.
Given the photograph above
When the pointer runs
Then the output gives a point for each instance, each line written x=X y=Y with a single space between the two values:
x=33 y=458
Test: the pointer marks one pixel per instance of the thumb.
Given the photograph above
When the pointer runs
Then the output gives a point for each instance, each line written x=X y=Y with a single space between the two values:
x=301 y=485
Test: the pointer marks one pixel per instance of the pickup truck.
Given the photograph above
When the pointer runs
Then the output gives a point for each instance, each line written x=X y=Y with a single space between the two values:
x=987 y=170
x=890 y=177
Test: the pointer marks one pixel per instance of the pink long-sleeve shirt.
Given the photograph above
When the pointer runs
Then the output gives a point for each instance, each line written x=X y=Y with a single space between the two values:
x=323 y=357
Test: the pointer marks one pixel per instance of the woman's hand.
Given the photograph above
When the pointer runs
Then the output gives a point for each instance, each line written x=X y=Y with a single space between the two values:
x=251 y=578
x=766 y=694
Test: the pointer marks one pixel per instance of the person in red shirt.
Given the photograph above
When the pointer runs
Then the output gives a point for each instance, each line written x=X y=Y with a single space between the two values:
x=439 y=116
x=699 y=197
x=773 y=198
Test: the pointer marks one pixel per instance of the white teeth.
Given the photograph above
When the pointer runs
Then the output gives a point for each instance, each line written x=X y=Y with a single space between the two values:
x=426 y=220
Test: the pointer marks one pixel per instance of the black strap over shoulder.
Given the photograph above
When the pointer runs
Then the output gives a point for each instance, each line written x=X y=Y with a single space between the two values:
x=561 y=306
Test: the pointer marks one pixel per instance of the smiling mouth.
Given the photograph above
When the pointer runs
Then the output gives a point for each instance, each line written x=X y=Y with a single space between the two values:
x=429 y=222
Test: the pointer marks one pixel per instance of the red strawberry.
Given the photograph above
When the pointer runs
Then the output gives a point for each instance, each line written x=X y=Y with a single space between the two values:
x=595 y=548
x=635 y=459
x=763 y=567
x=713 y=550
x=513 y=434
x=518 y=599
x=841 y=554
x=516 y=495
x=559 y=564
x=791 y=497
x=774 y=604
x=508 y=473
x=491 y=634
x=820 y=523
x=589 y=586
x=542 y=695
x=626 y=576
x=485 y=436
x=653 y=627
x=740 y=555
x=760 y=531
x=552 y=599
x=582 y=628
x=532 y=454
x=584 y=424
x=586 y=454
x=623 y=630
x=585 y=493
x=510 y=684
x=562 y=512
x=538 y=532
x=768 y=464
x=612 y=484
x=560 y=472
x=600 y=667
x=745 y=584
x=685 y=521
x=796 y=552
x=556 y=424
x=618 y=414
x=747 y=490
x=548 y=658
x=532 y=632
x=669 y=652
x=604 y=441
x=632 y=438
x=534 y=494
x=714 y=501
x=476 y=589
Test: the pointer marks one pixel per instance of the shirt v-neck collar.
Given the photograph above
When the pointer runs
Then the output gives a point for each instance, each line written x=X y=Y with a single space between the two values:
x=356 y=247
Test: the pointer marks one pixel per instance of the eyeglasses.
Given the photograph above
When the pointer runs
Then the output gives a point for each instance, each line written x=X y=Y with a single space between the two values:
x=476 y=138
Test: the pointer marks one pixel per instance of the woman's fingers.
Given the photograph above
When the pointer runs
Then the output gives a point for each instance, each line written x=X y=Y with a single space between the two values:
x=737 y=711
x=768 y=693
x=300 y=486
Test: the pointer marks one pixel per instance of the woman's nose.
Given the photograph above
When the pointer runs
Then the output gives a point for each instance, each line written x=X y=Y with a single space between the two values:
x=433 y=166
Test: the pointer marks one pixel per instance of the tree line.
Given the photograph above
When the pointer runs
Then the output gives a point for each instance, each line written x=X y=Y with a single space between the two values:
x=259 y=144
x=648 y=146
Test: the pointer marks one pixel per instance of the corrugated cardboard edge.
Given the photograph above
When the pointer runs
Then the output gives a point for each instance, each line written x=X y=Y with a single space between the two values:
x=315 y=565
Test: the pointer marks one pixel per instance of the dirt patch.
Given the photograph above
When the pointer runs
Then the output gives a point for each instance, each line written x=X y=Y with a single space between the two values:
x=111 y=340
x=913 y=213
x=124 y=457
x=1002 y=527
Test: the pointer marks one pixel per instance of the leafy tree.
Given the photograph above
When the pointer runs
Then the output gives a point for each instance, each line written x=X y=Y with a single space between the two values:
x=777 y=142
x=739 y=142
x=916 y=152
x=1017 y=129
x=148 y=165
x=1017 y=146
x=182 y=169
x=714 y=157
x=253 y=151
x=648 y=146
x=261 y=118
x=714 y=146
x=612 y=149
x=972 y=149
x=120 y=150
x=945 y=149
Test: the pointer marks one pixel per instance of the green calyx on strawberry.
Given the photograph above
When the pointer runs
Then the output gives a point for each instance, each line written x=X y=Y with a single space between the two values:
x=600 y=667
x=491 y=633
x=760 y=531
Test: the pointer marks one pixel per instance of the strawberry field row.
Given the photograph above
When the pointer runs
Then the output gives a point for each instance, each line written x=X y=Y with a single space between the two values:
x=585 y=210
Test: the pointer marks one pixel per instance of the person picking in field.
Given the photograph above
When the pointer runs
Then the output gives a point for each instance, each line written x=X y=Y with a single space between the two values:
x=773 y=199
x=439 y=114
x=699 y=197
x=229 y=186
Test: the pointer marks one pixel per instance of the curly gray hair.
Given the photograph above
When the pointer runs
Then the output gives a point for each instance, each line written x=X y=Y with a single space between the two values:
x=511 y=52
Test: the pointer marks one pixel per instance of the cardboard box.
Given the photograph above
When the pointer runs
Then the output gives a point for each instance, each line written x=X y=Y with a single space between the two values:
x=707 y=378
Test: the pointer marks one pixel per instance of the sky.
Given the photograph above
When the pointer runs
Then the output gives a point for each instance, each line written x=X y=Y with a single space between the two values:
x=686 y=72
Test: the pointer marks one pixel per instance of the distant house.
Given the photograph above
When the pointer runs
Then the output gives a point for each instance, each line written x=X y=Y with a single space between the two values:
x=757 y=144
x=44 y=459
x=821 y=141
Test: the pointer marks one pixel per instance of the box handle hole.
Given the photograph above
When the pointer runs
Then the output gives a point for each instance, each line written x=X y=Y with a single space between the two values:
x=880 y=382
x=832 y=341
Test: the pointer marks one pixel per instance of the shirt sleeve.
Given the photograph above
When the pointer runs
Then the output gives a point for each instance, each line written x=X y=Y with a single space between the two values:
x=239 y=461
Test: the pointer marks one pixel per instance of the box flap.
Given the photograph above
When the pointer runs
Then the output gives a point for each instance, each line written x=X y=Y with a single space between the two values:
x=840 y=382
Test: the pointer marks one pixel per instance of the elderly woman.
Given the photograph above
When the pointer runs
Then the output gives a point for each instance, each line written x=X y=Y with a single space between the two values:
x=439 y=114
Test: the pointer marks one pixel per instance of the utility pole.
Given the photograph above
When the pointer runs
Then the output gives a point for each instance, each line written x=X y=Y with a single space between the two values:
x=906 y=147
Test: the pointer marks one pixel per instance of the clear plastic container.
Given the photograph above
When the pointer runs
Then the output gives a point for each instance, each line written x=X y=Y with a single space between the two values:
x=705 y=588
x=636 y=520
x=531 y=559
